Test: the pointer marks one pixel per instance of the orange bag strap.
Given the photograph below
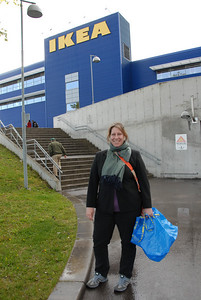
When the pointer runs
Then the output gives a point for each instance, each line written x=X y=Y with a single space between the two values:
x=132 y=170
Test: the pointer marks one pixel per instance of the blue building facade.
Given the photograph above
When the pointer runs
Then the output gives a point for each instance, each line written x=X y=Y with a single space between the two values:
x=10 y=94
x=166 y=67
x=68 y=69
x=63 y=82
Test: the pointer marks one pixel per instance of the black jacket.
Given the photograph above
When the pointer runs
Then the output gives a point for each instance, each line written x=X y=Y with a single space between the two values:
x=101 y=195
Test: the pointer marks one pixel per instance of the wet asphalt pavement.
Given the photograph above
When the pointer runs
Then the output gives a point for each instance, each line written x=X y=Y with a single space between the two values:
x=178 y=275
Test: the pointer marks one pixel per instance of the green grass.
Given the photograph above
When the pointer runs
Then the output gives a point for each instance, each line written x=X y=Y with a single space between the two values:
x=37 y=232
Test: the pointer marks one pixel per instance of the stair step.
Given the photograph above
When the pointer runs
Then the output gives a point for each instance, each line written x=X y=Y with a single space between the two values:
x=80 y=155
x=75 y=178
x=75 y=185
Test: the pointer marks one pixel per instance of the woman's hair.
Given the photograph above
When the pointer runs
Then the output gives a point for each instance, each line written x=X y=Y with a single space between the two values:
x=120 y=127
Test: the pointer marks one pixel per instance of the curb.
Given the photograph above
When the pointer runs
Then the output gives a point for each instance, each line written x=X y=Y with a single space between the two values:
x=72 y=282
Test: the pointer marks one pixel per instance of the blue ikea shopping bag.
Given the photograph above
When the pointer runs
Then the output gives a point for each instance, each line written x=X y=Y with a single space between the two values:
x=155 y=235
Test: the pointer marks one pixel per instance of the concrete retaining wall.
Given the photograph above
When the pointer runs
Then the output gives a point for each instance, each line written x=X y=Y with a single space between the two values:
x=152 y=118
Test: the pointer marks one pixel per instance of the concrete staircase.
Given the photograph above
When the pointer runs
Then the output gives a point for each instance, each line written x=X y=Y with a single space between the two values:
x=80 y=155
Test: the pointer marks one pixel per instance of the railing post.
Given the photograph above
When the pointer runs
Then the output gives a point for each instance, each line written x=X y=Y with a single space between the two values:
x=59 y=175
x=11 y=129
x=34 y=150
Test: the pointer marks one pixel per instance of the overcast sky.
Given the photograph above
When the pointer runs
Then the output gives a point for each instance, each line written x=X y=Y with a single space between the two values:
x=157 y=26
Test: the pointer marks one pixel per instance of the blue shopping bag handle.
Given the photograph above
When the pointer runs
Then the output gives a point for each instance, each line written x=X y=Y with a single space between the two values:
x=144 y=226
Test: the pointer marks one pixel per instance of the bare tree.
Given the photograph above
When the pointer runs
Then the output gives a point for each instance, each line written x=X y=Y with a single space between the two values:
x=3 y=31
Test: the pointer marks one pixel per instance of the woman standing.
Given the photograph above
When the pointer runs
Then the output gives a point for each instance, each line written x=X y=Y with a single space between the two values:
x=116 y=198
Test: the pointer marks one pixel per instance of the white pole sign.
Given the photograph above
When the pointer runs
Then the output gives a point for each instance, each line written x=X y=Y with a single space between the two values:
x=181 y=141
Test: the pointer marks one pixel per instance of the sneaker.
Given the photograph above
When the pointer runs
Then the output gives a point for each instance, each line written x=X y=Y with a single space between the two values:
x=122 y=284
x=96 y=280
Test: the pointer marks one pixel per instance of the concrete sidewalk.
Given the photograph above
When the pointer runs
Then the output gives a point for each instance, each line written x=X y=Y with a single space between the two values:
x=174 y=278
x=177 y=276
x=71 y=285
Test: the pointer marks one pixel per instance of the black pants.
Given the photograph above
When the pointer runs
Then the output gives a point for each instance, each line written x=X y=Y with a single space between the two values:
x=103 y=229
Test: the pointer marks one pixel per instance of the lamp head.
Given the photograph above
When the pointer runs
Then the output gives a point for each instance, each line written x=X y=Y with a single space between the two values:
x=34 y=11
x=96 y=59
x=185 y=115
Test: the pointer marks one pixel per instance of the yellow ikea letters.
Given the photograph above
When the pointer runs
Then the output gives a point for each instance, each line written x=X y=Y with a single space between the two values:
x=82 y=35
x=65 y=41
x=100 y=28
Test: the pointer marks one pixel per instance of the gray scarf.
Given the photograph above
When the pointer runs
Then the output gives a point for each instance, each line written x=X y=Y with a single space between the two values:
x=113 y=168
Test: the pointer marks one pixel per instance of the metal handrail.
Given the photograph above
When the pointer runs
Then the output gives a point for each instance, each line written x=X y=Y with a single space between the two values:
x=13 y=134
x=34 y=144
x=146 y=154
x=98 y=135
x=84 y=127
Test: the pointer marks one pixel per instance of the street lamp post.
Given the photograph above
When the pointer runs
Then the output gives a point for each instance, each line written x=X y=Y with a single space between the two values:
x=33 y=12
x=93 y=59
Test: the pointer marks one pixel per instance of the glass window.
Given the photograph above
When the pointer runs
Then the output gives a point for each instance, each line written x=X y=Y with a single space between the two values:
x=72 y=106
x=72 y=91
x=19 y=103
x=29 y=82
x=179 y=71
x=17 y=85
x=10 y=88
x=4 y=89
x=72 y=85
x=127 y=52
x=37 y=80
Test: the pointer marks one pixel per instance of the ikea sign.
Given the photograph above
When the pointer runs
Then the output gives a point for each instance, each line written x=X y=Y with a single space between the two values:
x=80 y=36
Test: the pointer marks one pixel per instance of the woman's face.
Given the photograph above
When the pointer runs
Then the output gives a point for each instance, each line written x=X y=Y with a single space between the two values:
x=116 y=137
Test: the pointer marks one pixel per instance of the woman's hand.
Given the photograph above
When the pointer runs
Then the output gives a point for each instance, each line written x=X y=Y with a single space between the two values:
x=147 y=211
x=90 y=213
